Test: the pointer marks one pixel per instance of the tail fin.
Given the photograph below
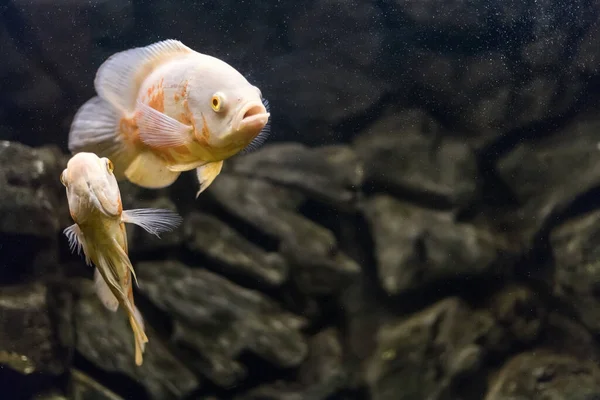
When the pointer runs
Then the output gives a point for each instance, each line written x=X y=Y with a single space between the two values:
x=114 y=263
x=96 y=128
x=139 y=335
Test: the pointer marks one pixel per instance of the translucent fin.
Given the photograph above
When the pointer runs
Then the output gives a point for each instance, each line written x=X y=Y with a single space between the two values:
x=113 y=269
x=119 y=78
x=139 y=336
x=124 y=259
x=96 y=128
x=104 y=293
x=262 y=137
x=207 y=174
x=149 y=171
x=140 y=320
x=73 y=234
x=77 y=241
x=152 y=220
x=159 y=130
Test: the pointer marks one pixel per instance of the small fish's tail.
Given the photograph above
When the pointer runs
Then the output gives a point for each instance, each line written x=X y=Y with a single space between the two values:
x=96 y=128
x=137 y=325
x=139 y=335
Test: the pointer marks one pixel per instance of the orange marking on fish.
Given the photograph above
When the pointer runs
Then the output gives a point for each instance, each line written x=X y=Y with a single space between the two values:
x=130 y=130
x=157 y=101
x=204 y=134
x=120 y=205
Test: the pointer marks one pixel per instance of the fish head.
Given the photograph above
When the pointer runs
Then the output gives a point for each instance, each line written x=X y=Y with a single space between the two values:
x=91 y=187
x=228 y=111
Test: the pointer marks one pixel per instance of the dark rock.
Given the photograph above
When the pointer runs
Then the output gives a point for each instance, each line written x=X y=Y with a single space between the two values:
x=105 y=338
x=544 y=188
x=520 y=313
x=420 y=357
x=329 y=173
x=84 y=387
x=541 y=375
x=401 y=153
x=577 y=270
x=316 y=263
x=320 y=377
x=415 y=246
x=563 y=335
x=28 y=341
x=32 y=205
x=31 y=195
x=207 y=235
x=219 y=319
x=324 y=371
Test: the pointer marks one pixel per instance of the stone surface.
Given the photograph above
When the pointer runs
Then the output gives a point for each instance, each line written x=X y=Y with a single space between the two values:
x=207 y=235
x=32 y=209
x=421 y=356
x=548 y=175
x=576 y=277
x=330 y=173
x=415 y=246
x=85 y=388
x=320 y=377
x=403 y=153
x=106 y=340
x=218 y=319
x=28 y=340
x=317 y=263
x=544 y=375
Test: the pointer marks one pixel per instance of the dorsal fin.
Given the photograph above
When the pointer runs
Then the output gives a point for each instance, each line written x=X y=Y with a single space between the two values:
x=119 y=78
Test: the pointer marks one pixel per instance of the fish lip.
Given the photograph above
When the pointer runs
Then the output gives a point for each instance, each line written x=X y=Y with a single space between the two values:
x=252 y=117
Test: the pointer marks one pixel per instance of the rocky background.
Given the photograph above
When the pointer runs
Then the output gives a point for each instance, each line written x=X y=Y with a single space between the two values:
x=423 y=223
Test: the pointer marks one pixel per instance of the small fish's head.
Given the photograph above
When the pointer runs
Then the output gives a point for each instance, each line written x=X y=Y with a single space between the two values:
x=91 y=187
x=228 y=111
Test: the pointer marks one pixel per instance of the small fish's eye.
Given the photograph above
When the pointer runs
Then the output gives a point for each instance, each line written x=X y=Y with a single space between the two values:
x=110 y=166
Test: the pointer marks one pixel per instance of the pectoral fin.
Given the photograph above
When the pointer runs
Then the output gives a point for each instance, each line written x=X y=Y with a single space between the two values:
x=159 y=130
x=152 y=220
x=207 y=174
x=77 y=241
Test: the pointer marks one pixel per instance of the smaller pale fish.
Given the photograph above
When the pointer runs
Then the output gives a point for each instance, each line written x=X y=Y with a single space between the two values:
x=164 y=109
x=99 y=230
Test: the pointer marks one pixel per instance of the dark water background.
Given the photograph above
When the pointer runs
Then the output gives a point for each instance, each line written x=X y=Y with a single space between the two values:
x=422 y=223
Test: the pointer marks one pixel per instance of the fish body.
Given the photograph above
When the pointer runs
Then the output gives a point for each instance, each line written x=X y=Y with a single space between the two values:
x=164 y=109
x=99 y=230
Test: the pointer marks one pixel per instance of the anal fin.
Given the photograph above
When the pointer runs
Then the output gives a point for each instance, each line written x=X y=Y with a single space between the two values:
x=149 y=171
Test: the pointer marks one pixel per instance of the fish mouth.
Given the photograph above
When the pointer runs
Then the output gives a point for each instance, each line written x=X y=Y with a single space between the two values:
x=253 y=117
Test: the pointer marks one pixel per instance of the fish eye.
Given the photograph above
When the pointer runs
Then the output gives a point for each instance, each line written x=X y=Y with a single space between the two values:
x=110 y=166
x=62 y=179
x=216 y=102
